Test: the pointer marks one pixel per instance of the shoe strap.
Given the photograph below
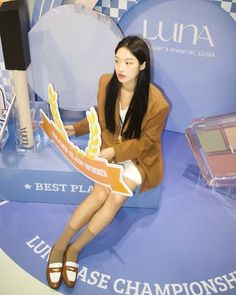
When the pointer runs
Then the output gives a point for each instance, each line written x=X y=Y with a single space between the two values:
x=52 y=270
x=55 y=265
x=71 y=264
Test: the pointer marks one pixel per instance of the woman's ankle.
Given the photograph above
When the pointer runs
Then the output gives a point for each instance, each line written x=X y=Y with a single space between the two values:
x=72 y=254
x=56 y=255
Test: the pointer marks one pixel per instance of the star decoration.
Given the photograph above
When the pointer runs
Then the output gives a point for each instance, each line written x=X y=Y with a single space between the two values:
x=27 y=186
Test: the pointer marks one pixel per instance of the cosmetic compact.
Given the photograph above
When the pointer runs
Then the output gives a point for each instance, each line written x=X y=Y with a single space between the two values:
x=213 y=143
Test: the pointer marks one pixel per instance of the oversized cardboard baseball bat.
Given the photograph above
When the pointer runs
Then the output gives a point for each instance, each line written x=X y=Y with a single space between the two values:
x=14 y=27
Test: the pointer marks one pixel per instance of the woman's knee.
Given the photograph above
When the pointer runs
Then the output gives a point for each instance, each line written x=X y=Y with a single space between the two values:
x=99 y=194
x=115 y=201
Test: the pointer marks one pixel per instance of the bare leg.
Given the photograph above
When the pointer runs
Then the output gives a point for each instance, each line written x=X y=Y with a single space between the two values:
x=89 y=206
x=99 y=221
x=80 y=217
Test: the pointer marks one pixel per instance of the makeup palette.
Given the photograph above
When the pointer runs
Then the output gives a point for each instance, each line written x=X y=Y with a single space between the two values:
x=213 y=142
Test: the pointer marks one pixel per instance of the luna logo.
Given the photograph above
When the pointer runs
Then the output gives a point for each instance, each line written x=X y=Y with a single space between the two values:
x=178 y=33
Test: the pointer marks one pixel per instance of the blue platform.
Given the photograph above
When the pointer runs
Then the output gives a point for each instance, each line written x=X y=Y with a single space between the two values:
x=186 y=247
x=46 y=176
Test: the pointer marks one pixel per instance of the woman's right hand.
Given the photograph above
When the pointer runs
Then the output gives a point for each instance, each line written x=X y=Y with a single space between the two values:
x=70 y=130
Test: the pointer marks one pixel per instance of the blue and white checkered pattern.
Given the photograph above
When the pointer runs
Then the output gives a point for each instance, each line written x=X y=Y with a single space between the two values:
x=228 y=5
x=115 y=8
x=6 y=80
x=42 y=6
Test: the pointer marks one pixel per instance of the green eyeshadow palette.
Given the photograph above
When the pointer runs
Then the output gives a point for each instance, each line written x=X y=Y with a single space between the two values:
x=213 y=143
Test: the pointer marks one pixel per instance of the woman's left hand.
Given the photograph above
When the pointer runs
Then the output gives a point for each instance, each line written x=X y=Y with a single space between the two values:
x=107 y=153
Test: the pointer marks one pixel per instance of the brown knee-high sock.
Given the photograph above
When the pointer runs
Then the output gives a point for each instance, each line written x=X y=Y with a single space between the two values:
x=61 y=244
x=85 y=237
x=79 y=218
x=96 y=224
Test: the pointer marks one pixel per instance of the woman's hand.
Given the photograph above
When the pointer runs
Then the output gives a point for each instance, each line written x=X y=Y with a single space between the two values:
x=70 y=130
x=107 y=153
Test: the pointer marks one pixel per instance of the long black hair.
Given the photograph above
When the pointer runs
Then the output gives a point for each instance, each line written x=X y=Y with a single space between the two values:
x=139 y=102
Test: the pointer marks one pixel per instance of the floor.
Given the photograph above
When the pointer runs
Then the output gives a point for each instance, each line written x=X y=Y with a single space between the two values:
x=187 y=246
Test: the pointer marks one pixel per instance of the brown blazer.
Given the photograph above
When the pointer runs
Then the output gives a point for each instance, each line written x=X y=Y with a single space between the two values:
x=146 y=152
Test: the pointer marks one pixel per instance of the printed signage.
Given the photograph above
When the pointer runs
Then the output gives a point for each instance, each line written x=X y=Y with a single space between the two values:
x=87 y=162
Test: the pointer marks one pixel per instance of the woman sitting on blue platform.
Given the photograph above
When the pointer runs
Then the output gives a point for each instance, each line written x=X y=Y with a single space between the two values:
x=131 y=113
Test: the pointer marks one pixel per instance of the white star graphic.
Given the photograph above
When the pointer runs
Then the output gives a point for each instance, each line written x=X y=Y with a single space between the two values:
x=27 y=186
